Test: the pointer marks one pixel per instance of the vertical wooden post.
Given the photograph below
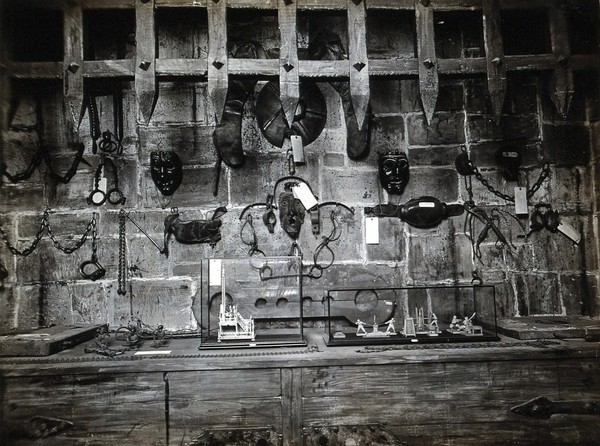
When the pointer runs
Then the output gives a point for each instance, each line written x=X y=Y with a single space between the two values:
x=145 y=64
x=428 y=66
x=289 y=79
x=4 y=82
x=218 y=79
x=359 y=62
x=563 y=74
x=494 y=54
x=72 y=66
x=291 y=406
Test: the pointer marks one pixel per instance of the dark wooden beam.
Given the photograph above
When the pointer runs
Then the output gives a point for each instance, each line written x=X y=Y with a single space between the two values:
x=72 y=66
x=563 y=87
x=428 y=66
x=494 y=51
x=289 y=78
x=145 y=65
x=217 y=57
x=316 y=69
x=358 y=59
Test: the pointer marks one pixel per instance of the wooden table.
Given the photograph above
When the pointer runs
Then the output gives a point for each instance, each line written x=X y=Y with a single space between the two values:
x=438 y=394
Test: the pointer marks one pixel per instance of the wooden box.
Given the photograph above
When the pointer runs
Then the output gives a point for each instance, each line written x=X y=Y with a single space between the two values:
x=45 y=341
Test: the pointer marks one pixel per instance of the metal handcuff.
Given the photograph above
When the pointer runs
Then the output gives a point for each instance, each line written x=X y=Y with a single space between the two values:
x=114 y=195
x=92 y=269
x=107 y=144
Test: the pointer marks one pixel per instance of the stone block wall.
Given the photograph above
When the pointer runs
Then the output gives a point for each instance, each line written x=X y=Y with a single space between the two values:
x=544 y=273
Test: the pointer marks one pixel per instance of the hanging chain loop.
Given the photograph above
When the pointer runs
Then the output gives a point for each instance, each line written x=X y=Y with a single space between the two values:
x=45 y=226
x=545 y=172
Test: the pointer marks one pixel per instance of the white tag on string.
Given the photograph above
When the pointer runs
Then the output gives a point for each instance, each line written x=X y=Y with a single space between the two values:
x=214 y=272
x=372 y=230
x=303 y=193
x=521 y=201
x=570 y=232
x=297 y=149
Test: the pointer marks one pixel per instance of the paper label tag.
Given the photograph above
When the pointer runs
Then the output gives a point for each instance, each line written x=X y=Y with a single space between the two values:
x=570 y=232
x=372 y=230
x=521 y=201
x=297 y=149
x=152 y=352
x=303 y=193
x=214 y=272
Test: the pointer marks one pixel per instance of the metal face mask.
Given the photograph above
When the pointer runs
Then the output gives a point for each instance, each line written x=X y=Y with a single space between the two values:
x=166 y=171
x=393 y=172
x=291 y=214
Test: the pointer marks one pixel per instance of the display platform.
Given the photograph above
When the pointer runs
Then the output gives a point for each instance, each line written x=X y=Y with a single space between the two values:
x=252 y=302
x=404 y=315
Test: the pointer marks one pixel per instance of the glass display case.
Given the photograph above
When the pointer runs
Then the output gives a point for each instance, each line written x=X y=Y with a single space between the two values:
x=251 y=302
x=420 y=314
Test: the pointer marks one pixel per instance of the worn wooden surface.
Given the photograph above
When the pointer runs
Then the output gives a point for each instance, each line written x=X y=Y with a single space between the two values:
x=564 y=87
x=428 y=66
x=145 y=66
x=221 y=400
x=358 y=59
x=218 y=71
x=422 y=396
x=73 y=65
x=289 y=78
x=544 y=327
x=125 y=409
x=494 y=53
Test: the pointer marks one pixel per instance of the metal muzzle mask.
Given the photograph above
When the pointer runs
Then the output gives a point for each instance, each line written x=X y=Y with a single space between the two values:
x=166 y=171
x=394 y=172
x=291 y=214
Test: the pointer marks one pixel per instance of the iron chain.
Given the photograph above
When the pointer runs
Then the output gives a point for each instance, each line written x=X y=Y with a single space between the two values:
x=45 y=226
x=530 y=192
x=122 y=279
x=70 y=249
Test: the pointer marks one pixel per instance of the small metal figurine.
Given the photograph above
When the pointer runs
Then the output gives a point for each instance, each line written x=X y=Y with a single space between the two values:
x=375 y=332
x=394 y=172
x=166 y=171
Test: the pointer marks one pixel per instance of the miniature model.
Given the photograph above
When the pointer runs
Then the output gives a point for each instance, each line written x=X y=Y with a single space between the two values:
x=360 y=329
x=375 y=332
x=464 y=326
x=231 y=323
x=390 y=330
x=433 y=325
x=455 y=325
x=409 y=327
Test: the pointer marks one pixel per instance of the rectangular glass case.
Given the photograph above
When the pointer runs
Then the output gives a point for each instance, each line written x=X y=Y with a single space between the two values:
x=251 y=302
x=421 y=314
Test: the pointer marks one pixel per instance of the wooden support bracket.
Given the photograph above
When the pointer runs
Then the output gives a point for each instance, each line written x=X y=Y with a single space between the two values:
x=218 y=67
x=72 y=66
x=145 y=64
x=494 y=54
x=359 y=61
x=428 y=65
x=289 y=78
x=563 y=73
